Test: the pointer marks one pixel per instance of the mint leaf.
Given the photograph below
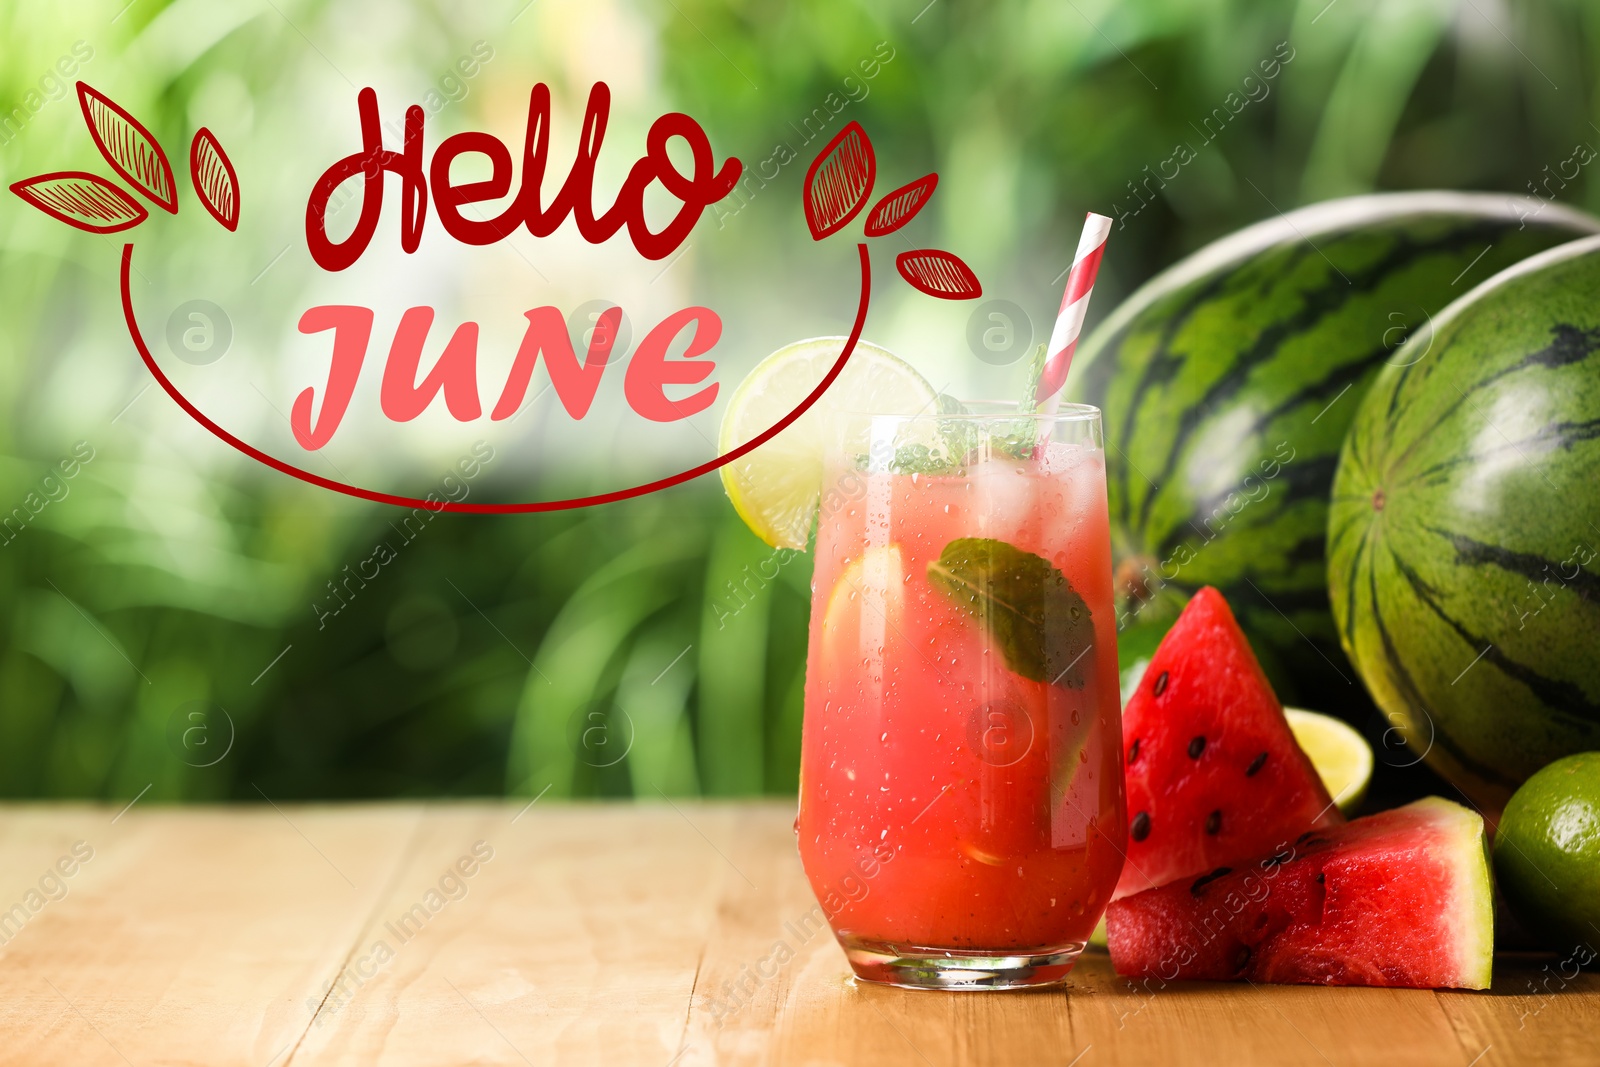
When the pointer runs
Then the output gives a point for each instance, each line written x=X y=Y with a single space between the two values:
x=1024 y=605
x=1017 y=438
x=1030 y=388
x=920 y=459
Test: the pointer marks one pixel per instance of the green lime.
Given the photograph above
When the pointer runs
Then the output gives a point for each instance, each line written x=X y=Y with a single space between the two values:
x=776 y=488
x=1547 y=853
x=1342 y=757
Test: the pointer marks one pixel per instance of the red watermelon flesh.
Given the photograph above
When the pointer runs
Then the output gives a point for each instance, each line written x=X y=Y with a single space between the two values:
x=1214 y=773
x=1400 y=898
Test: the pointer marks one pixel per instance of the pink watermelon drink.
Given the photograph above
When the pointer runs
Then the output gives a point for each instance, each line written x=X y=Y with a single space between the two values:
x=961 y=801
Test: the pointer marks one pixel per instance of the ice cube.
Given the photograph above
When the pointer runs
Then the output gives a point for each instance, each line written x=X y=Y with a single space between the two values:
x=1004 y=495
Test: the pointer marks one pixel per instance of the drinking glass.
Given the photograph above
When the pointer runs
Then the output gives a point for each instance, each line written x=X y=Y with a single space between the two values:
x=961 y=817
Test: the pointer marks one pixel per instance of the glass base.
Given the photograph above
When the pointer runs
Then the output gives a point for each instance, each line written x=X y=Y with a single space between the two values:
x=916 y=967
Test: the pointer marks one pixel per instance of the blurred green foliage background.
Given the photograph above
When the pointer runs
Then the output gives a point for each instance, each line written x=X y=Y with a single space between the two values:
x=155 y=620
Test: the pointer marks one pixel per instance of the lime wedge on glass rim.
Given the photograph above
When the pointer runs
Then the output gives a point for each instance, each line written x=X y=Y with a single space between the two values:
x=776 y=488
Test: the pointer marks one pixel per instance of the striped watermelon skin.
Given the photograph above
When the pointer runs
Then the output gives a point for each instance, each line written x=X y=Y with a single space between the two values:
x=1464 y=533
x=1228 y=384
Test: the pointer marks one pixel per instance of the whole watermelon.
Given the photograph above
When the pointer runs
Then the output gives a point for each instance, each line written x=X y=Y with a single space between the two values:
x=1228 y=382
x=1464 y=536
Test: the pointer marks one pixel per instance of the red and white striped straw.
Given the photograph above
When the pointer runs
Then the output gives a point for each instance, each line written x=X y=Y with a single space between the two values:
x=1074 y=306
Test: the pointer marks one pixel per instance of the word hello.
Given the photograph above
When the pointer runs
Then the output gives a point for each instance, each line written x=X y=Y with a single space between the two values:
x=694 y=192
x=454 y=89
x=455 y=373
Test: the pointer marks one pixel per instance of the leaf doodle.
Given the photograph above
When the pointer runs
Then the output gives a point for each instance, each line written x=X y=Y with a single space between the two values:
x=83 y=200
x=129 y=148
x=839 y=181
x=901 y=206
x=215 y=180
x=938 y=273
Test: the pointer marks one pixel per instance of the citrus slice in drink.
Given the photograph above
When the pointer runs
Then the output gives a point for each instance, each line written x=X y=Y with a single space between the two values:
x=872 y=584
x=776 y=488
x=1342 y=757
x=865 y=608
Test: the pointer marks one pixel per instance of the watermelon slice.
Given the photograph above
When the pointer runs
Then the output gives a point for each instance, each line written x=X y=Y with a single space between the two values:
x=1400 y=898
x=1214 y=773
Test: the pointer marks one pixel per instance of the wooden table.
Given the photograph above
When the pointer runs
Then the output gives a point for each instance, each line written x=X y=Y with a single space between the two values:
x=604 y=934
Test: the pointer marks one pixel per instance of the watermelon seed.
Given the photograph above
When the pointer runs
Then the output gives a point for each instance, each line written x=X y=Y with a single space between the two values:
x=1255 y=765
x=1213 y=823
x=1197 y=746
x=1161 y=684
x=1141 y=826
x=1206 y=879
x=1242 y=959
x=1322 y=877
x=1133 y=752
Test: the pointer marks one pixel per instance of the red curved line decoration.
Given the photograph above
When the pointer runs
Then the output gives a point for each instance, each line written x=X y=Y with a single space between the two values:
x=493 y=509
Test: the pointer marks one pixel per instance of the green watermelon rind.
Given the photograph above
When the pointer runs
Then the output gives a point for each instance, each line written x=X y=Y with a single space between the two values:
x=1535 y=263
x=1448 y=725
x=1320 y=219
x=1269 y=558
x=1474 y=891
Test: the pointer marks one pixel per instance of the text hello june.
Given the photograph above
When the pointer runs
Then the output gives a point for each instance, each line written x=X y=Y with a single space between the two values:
x=454 y=375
